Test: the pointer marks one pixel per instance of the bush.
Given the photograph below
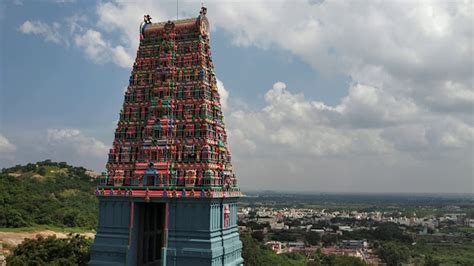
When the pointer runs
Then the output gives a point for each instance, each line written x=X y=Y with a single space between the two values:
x=390 y=232
x=258 y=235
x=393 y=253
x=52 y=251
x=312 y=238
x=42 y=170
x=10 y=217
x=333 y=260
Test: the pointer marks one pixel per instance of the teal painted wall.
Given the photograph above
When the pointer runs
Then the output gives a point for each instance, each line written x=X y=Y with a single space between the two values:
x=195 y=232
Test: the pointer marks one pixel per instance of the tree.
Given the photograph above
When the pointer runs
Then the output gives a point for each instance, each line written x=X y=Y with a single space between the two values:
x=285 y=236
x=334 y=227
x=255 y=226
x=328 y=260
x=10 y=217
x=393 y=254
x=42 y=170
x=321 y=224
x=329 y=240
x=430 y=261
x=258 y=235
x=312 y=238
x=251 y=252
x=292 y=223
x=30 y=167
x=255 y=255
x=390 y=232
x=294 y=256
x=74 y=250
x=348 y=260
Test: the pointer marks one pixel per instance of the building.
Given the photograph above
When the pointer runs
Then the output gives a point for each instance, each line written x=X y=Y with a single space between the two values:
x=469 y=222
x=354 y=244
x=296 y=246
x=277 y=225
x=275 y=246
x=169 y=196
x=266 y=220
x=346 y=228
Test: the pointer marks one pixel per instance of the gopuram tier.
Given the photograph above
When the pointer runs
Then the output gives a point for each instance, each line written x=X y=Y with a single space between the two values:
x=170 y=139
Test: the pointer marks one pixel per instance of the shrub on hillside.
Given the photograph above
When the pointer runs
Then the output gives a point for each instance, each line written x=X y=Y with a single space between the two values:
x=74 y=250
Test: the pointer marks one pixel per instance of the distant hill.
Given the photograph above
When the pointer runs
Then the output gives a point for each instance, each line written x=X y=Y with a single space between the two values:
x=48 y=193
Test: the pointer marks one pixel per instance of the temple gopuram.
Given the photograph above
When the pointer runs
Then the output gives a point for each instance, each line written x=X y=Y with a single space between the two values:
x=169 y=196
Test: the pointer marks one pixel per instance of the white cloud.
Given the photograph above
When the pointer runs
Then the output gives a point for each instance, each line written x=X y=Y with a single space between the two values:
x=289 y=123
x=8 y=151
x=95 y=48
x=100 y=51
x=75 y=23
x=74 y=141
x=5 y=145
x=366 y=128
x=364 y=121
x=49 y=32
x=66 y=144
x=18 y=2
x=452 y=96
x=368 y=106
x=223 y=93
x=64 y=1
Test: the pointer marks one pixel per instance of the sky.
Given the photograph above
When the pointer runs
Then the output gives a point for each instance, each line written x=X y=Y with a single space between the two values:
x=318 y=96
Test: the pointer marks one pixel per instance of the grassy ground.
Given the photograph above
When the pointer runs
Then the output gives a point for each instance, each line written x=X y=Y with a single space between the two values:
x=447 y=253
x=77 y=230
x=469 y=230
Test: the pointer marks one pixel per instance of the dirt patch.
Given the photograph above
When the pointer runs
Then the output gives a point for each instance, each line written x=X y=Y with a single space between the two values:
x=38 y=177
x=12 y=239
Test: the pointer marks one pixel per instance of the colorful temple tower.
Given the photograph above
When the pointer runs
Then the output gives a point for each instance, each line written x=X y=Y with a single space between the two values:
x=170 y=195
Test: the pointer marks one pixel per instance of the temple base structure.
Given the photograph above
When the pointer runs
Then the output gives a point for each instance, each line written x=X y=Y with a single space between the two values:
x=167 y=231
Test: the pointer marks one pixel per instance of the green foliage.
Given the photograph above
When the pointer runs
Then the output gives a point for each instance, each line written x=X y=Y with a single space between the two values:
x=42 y=170
x=329 y=240
x=393 y=253
x=51 y=251
x=10 y=217
x=430 y=261
x=258 y=235
x=256 y=226
x=312 y=238
x=62 y=195
x=444 y=253
x=332 y=260
x=390 y=232
x=383 y=232
x=255 y=255
x=348 y=260
x=284 y=235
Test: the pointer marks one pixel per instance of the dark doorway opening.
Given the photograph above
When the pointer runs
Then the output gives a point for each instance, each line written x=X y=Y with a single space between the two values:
x=150 y=236
x=150 y=180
